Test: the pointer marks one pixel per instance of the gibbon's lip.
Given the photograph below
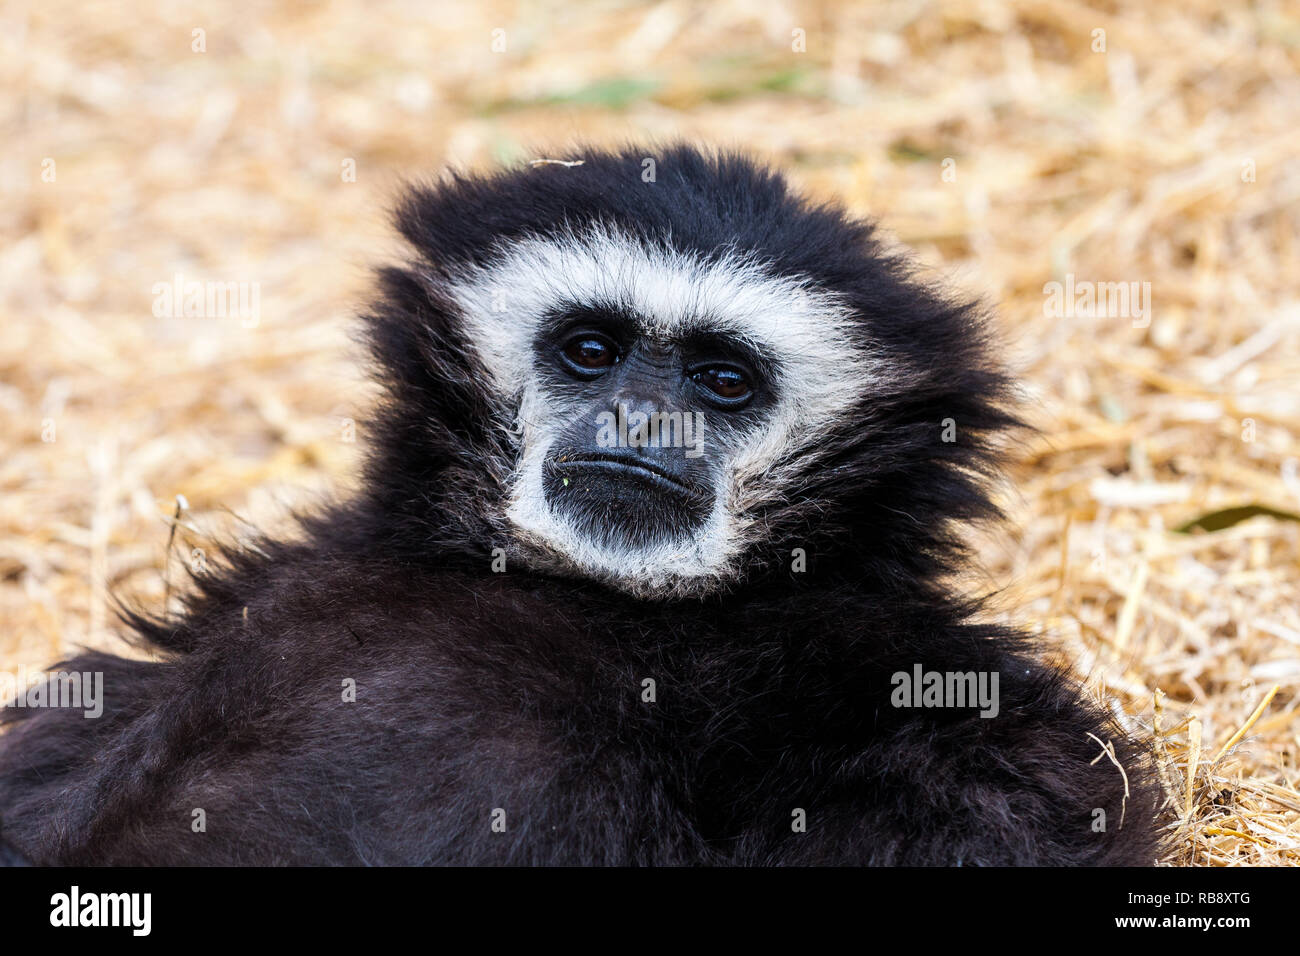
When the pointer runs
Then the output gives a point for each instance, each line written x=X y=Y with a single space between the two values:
x=626 y=465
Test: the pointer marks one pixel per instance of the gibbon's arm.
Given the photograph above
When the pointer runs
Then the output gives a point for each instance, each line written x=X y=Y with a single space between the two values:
x=1025 y=792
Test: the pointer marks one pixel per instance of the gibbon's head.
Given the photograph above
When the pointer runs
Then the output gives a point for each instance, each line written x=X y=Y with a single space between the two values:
x=662 y=370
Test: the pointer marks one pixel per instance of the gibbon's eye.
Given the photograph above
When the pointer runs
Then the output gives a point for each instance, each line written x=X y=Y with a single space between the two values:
x=590 y=353
x=727 y=383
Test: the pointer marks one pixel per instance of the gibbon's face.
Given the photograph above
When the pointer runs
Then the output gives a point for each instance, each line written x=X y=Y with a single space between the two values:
x=658 y=398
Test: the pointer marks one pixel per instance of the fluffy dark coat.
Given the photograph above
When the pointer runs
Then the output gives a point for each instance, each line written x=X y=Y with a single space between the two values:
x=479 y=691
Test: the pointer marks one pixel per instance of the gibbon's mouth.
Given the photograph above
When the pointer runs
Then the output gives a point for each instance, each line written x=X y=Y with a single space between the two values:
x=627 y=467
x=622 y=500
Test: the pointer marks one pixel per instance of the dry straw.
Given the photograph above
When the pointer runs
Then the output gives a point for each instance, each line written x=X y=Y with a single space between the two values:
x=1154 y=538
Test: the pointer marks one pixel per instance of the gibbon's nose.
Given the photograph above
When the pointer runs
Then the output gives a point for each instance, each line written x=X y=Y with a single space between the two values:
x=638 y=430
x=649 y=424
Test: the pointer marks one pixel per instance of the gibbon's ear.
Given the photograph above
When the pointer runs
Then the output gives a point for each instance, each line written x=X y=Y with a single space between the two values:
x=920 y=455
x=422 y=357
x=438 y=455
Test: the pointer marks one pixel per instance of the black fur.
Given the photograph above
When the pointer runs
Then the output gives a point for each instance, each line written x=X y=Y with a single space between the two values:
x=522 y=691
